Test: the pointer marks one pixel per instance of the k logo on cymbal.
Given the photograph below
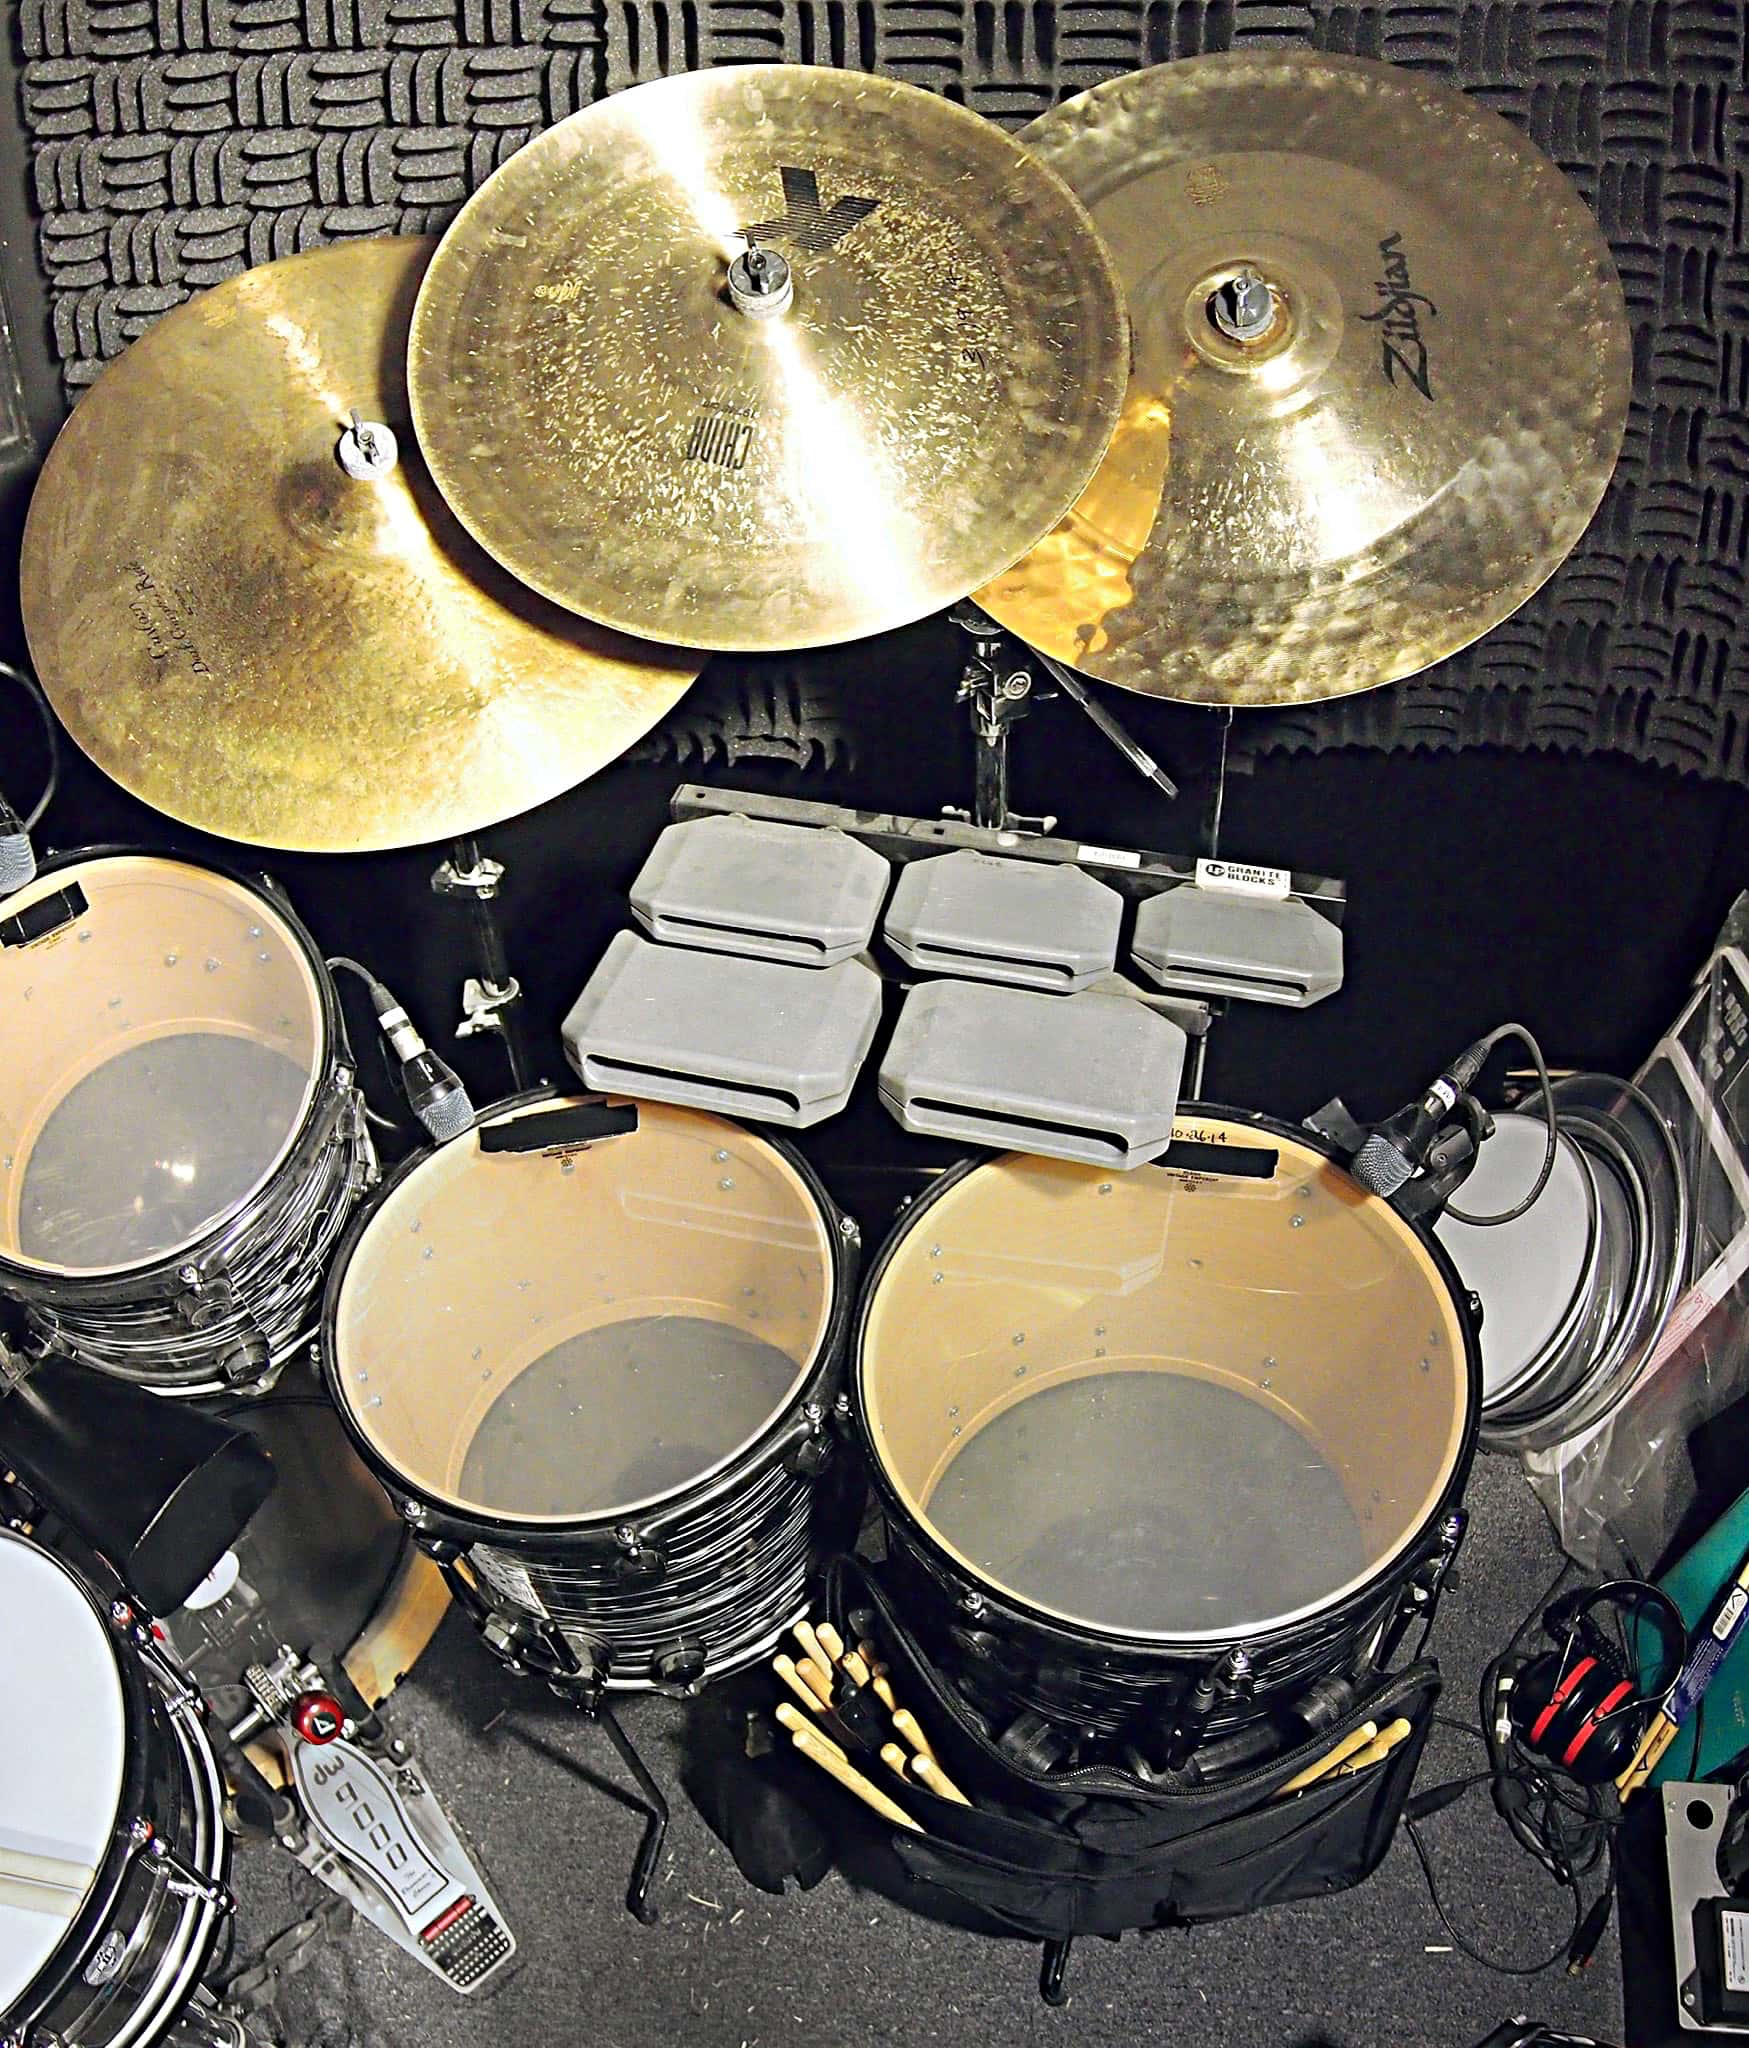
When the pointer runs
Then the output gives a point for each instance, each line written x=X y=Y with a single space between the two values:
x=804 y=222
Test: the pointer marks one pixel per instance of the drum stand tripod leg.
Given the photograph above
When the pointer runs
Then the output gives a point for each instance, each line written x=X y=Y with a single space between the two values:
x=1053 y=1968
x=654 y=1809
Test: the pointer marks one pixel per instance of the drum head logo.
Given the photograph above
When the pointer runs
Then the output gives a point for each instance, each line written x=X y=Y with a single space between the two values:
x=805 y=223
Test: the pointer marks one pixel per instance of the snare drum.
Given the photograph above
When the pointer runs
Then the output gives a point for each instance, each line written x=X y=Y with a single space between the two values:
x=180 y=1135
x=112 y=1853
x=599 y=1374
x=1125 y=1424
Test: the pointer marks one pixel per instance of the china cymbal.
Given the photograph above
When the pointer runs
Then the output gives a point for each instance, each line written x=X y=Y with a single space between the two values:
x=267 y=647
x=903 y=386
x=1380 y=380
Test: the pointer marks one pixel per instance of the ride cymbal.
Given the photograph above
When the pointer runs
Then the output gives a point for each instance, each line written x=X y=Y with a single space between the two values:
x=1380 y=380
x=267 y=647
x=766 y=357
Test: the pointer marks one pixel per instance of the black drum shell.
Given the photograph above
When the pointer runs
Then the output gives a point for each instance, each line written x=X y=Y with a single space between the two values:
x=1009 y=1658
x=584 y=1572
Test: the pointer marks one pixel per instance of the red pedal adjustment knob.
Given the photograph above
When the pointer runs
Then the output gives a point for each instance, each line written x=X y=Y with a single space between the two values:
x=318 y=1716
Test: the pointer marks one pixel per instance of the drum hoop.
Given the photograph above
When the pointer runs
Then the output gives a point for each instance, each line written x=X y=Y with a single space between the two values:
x=158 y=1275
x=947 y=1566
x=96 y=1914
x=464 y=1525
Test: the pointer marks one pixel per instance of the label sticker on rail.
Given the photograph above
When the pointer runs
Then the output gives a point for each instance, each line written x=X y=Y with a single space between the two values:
x=1243 y=878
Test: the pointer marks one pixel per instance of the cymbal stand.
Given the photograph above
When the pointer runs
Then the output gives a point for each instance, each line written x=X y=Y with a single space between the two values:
x=1000 y=693
x=491 y=1000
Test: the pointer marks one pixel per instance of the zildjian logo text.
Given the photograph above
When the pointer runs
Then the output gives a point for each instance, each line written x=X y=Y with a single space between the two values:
x=1399 y=318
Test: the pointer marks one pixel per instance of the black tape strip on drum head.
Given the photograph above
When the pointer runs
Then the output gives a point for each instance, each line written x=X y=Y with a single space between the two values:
x=1234 y=1162
x=578 y=1124
x=46 y=915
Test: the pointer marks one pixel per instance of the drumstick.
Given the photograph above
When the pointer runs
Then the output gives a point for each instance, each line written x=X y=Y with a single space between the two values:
x=53 y=1873
x=929 y=1773
x=790 y=1672
x=877 y=1676
x=906 y=1723
x=793 y=1720
x=894 y=1759
x=835 y=1766
x=816 y=1678
x=812 y=1646
x=831 y=1642
x=1351 y=1745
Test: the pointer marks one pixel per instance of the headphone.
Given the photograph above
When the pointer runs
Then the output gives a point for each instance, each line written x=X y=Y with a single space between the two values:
x=1577 y=1707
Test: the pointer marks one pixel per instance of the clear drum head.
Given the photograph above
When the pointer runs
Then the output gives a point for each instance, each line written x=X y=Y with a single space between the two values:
x=542 y=1338
x=1534 y=1273
x=63 y=1755
x=159 y=1053
x=1166 y=1405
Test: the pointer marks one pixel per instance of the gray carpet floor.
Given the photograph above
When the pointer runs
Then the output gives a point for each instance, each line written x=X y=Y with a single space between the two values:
x=731 y=1967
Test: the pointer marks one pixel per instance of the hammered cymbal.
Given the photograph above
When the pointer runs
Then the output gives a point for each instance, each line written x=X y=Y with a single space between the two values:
x=1381 y=458
x=611 y=416
x=268 y=648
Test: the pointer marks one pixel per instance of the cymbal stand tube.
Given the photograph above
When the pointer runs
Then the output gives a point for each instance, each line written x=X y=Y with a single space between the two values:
x=492 y=1001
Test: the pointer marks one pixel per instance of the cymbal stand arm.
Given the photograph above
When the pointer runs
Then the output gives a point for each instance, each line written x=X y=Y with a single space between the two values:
x=492 y=1000
x=998 y=697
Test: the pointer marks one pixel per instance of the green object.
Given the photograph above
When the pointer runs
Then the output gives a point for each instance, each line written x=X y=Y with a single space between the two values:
x=1693 y=1582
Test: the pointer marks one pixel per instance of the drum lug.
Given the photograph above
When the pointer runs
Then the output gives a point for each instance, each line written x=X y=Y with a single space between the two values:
x=638 y=1562
x=680 y=1669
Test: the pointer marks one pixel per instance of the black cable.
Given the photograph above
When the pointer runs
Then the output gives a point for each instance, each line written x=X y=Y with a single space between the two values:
x=1413 y=1831
x=373 y=983
x=51 y=738
x=1494 y=1037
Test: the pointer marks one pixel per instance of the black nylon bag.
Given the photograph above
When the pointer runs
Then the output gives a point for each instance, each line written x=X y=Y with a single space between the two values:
x=1052 y=1856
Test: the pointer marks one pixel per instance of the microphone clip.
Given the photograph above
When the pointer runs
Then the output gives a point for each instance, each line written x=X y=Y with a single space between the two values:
x=1450 y=1161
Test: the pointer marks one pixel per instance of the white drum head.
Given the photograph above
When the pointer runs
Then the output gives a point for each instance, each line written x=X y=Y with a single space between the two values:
x=1526 y=1272
x=62 y=1755
x=158 y=1058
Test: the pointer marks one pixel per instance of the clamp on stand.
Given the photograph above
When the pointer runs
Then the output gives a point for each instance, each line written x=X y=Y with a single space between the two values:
x=1000 y=694
x=491 y=1000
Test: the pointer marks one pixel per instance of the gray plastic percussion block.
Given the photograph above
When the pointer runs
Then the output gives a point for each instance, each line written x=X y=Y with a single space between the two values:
x=1214 y=942
x=748 y=885
x=748 y=1038
x=988 y=919
x=1092 y=1076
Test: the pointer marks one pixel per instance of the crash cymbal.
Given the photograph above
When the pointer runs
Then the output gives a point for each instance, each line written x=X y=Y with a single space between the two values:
x=904 y=387
x=264 y=646
x=1380 y=380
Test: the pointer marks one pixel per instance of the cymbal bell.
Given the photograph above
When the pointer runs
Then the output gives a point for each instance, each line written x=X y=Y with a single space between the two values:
x=1380 y=380
x=766 y=357
x=269 y=648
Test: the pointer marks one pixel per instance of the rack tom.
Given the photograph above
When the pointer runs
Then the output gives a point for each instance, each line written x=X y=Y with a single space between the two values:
x=597 y=1373
x=180 y=1134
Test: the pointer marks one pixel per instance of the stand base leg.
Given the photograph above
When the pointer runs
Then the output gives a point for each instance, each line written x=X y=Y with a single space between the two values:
x=654 y=1809
x=1053 y=1968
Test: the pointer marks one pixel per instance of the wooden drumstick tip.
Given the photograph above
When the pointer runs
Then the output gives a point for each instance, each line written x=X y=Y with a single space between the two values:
x=831 y=1642
x=894 y=1759
x=930 y=1775
x=787 y=1669
x=906 y=1723
x=804 y=1634
x=795 y=1720
x=835 y=1766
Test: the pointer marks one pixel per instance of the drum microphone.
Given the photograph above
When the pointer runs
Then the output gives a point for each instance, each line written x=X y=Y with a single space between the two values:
x=433 y=1088
x=17 y=855
x=1396 y=1150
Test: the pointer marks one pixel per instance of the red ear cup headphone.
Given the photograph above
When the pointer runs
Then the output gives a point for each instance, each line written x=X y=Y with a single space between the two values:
x=1578 y=1707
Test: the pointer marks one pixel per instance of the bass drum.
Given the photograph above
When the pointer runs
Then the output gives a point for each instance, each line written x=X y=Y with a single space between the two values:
x=113 y=1856
x=1125 y=1424
x=180 y=1133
